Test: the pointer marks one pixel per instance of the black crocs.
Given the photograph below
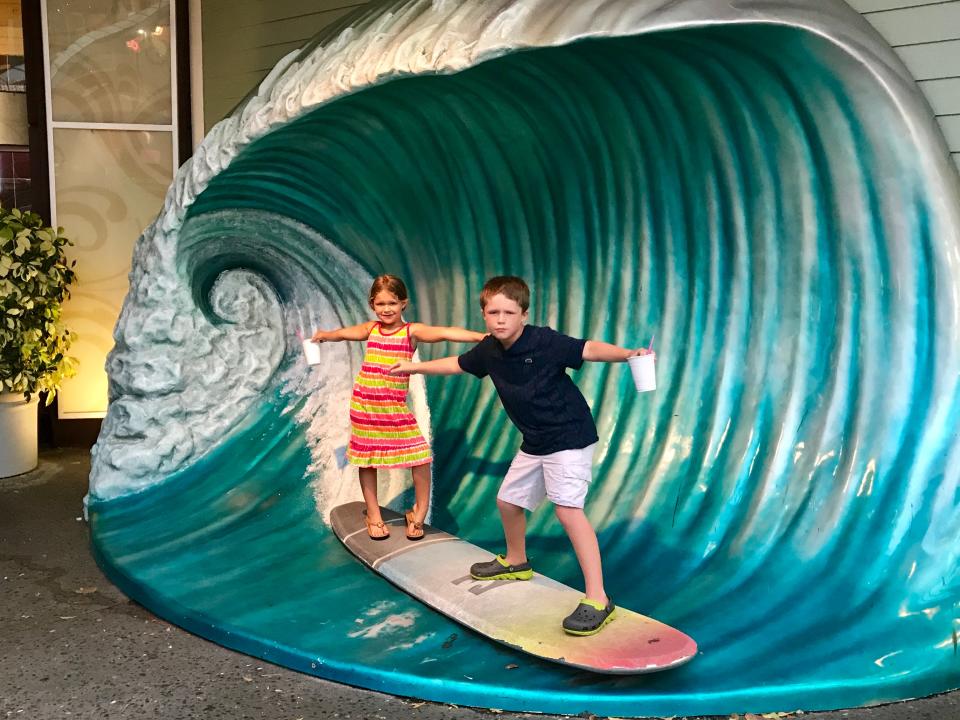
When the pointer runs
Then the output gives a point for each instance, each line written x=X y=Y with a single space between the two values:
x=499 y=569
x=589 y=617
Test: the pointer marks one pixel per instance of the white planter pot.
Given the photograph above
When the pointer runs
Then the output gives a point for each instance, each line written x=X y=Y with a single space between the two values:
x=18 y=434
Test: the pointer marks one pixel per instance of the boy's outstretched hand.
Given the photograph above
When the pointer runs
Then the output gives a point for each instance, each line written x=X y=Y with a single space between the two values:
x=401 y=368
x=596 y=351
x=443 y=366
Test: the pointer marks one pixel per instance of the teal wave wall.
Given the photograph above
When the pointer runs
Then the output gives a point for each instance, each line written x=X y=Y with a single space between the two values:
x=748 y=194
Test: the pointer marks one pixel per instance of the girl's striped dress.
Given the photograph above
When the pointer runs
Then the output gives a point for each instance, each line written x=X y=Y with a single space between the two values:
x=383 y=431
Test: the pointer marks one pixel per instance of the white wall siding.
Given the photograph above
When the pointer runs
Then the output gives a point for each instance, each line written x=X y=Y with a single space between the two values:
x=944 y=96
x=926 y=35
x=951 y=130
x=866 y=6
x=927 y=61
x=918 y=24
x=243 y=39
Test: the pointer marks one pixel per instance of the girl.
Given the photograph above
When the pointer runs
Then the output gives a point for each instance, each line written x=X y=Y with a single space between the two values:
x=383 y=431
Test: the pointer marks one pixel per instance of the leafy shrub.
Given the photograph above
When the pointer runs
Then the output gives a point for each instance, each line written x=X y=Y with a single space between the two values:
x=35 y=280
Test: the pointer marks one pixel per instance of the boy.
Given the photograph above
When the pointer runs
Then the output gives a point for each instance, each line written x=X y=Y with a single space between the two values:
x=528 y=367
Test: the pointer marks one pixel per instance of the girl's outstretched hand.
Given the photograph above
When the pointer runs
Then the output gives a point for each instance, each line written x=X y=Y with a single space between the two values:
x=319 y=336
x=639 y=351
x=401 y=368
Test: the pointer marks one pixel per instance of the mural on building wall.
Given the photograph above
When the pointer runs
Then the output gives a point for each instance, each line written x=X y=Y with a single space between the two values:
x=761 y=186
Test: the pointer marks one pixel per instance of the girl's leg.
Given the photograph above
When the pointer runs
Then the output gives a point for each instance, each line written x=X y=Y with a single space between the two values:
x=421 y=490
x=368 y=486
x=585 y=545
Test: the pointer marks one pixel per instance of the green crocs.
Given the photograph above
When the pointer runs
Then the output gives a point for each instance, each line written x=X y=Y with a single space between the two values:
x=589 y=618
x=499 y=569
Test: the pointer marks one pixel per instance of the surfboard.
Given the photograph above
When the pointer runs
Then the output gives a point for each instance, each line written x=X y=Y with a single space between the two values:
x=522 y=614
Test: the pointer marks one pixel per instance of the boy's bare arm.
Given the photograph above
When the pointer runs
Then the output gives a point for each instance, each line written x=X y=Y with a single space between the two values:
x=354 y=332
x=432 y=334
x=605 y=352
x=443 y=366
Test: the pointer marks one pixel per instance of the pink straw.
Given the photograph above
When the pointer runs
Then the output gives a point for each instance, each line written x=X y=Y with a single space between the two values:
x=650 y=348
x=300 y=334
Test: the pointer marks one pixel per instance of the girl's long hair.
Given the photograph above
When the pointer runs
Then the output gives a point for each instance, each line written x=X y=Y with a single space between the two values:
x=390 y=283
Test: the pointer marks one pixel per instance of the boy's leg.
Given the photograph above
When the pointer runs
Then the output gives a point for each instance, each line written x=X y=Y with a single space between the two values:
x=567 y=477
x=514 y=519
x=587 y=549
x=522 y=489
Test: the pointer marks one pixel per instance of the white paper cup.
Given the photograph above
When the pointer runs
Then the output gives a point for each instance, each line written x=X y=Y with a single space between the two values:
x=642 y=367
x=312 y=352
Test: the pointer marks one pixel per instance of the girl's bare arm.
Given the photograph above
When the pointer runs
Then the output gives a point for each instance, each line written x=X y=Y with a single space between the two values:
x=355 y=332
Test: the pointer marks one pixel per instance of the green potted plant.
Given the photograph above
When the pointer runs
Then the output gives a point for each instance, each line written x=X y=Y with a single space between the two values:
x=35 y=279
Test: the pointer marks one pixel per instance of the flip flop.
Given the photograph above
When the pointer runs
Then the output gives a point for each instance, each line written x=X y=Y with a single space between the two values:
x=380 y=527
x=414 y=528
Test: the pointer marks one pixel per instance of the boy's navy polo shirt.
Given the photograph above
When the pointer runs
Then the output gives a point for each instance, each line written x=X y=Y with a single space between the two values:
x=533 y=385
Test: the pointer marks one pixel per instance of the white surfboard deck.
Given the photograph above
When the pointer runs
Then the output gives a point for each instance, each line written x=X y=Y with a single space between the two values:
x=524 y=615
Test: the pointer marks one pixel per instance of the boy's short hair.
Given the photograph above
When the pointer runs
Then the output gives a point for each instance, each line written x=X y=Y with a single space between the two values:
x=510 y=286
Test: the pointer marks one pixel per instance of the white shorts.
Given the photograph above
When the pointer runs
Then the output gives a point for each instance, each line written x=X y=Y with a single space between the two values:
x=563 y=477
